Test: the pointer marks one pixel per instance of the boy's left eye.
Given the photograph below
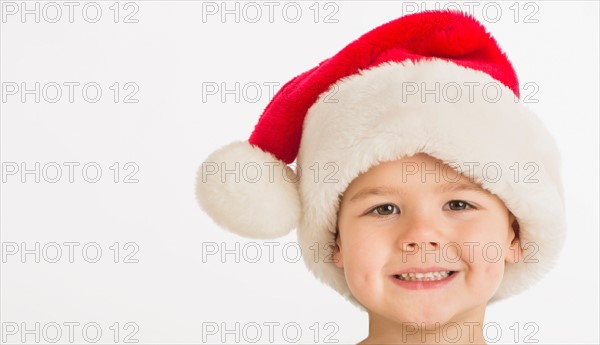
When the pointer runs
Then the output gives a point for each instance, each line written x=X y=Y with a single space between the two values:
x=458 y=205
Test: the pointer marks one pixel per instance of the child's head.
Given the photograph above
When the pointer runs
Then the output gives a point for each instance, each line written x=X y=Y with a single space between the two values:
x=412 y=216
x=433 y=87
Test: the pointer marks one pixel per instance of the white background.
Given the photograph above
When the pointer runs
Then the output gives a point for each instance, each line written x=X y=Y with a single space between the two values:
x=169 y=53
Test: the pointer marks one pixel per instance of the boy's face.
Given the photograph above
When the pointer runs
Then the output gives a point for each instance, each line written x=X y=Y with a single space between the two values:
x=392 y=223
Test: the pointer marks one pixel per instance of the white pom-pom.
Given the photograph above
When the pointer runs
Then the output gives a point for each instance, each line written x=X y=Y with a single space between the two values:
x=249 y=192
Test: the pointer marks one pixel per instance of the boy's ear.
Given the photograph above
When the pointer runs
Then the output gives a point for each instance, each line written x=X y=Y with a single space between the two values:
x=515 y=252
x=338 y=258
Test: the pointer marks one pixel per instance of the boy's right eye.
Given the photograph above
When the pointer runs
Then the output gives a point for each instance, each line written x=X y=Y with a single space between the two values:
x=385 y=210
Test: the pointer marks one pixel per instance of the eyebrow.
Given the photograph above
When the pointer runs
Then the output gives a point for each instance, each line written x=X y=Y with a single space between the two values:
x=459 y=186
x=444 y=188
x=381 y=190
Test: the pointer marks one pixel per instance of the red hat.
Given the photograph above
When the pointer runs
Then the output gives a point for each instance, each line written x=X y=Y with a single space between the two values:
x=361 y=107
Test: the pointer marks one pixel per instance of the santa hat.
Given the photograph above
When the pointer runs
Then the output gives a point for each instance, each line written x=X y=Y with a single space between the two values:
x=361 y=107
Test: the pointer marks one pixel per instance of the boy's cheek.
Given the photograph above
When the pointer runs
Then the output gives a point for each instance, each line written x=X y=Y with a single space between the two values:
x=494 y=273
x=483 y=240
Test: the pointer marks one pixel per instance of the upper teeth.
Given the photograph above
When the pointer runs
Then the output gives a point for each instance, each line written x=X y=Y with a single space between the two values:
x=423 y=276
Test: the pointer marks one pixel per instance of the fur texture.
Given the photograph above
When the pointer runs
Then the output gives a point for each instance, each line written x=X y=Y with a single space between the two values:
x=249 y=192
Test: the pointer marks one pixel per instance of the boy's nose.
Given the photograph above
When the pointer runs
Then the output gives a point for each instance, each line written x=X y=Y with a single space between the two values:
x=419 y=230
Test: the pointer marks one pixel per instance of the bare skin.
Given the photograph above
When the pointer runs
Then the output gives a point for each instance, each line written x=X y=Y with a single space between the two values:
x=389 y=223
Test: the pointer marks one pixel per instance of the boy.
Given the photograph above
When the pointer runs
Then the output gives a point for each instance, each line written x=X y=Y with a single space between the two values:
x=371 y=129
x=411 y=249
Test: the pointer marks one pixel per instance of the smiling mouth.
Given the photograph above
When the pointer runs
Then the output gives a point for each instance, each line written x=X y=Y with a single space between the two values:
x=426 y=276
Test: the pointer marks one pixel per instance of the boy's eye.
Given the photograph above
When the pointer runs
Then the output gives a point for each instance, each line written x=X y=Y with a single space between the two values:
x=457 y=205
x=385 y=210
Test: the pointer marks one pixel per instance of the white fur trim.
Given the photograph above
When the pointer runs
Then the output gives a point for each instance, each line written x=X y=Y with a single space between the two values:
x=374 y=120
x=249 y=192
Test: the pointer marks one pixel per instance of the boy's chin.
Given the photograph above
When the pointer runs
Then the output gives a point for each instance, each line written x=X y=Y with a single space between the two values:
x=430 y=316
x=429 y=322
x=427 y=317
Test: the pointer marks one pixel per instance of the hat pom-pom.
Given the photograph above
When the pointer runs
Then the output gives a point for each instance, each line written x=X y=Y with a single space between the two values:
x=249 y=192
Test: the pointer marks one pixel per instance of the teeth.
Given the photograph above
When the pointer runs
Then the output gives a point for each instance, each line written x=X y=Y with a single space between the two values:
x=423 y=276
